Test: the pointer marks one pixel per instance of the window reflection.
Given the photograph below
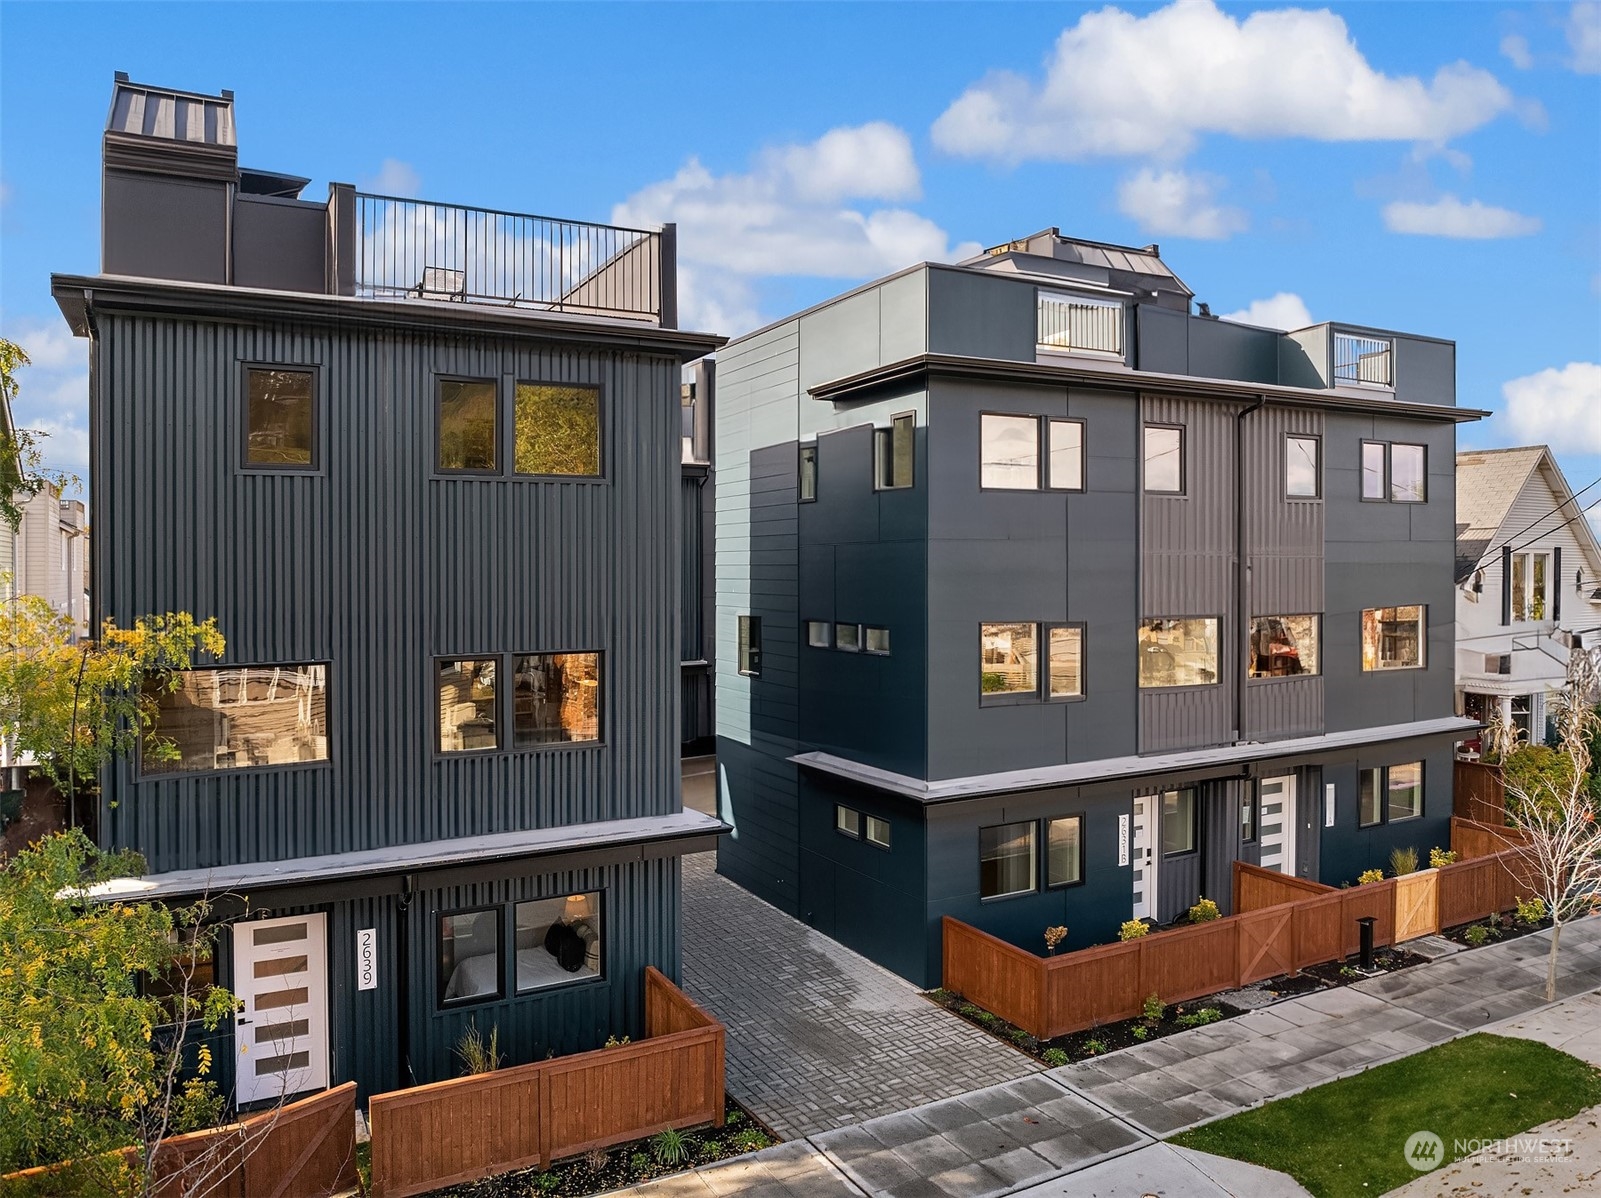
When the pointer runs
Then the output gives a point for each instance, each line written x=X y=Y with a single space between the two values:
x=556 y=699
x=1283 y=646
x=468 y=710
x=1178 y=652
x=240 y=718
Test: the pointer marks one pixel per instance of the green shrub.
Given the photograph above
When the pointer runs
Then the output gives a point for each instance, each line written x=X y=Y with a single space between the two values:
x=614 y=1042
x=970 y=1010
x=1537 y=771
x=1440 y=858
x=1141 y=1032
x=639 y=1163
x=1369 y=876
x=1054 y=1057
x=1403 y=861
x=1200 y=1018
x=1133 y=929
x=941 y=995
x=749 y=1139
x=1095 y=1047
x=547 y=1182
x=1018 y=1036
x=1204 y=911
x=1152 y=1009
x=1531 y=911
x=989 y=1020
x=669 y=1147
x=1479 y=935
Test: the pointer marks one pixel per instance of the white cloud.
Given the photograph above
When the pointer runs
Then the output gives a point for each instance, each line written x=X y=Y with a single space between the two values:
x=1120 y=84
x=394 y=178
x=53 y=394
x=1584 y=37
x=1450 y=217
x=1285 y=310
x=51 y=346
x=1179 y=204
x=796 y=212
x=1558 y=407
x=1515 y=49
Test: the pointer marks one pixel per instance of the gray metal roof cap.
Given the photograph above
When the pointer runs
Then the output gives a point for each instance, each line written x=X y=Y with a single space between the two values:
x=141 y=110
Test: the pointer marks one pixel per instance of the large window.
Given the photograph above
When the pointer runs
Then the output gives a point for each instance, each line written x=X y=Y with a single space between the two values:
x=1009 y=453
x=1389 y=794
x=556 y=429
x=467 y=425
x=1302 y=470
x=1164 y=459
x=1178 y=822
x=1010 y=662
x=555 y=699
x=1064 y=850
x=1393 y=638
x=1530 y=586
x=1006 y=860
x=1178 y=652
x=1284 y=646
x=1080 y=324
x=470 y=956
x=894 y=450
x=469 y=707
x=280 y=418
x=558 y=941
x=238 y=717
x=1394 y=472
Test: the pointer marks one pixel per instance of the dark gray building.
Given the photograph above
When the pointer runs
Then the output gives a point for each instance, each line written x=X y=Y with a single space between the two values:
x=1041 y=600
x=422 y=462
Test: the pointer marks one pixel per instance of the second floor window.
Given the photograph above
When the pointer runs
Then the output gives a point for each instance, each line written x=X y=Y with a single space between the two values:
x=1283 y=646
x=1178 y=652
x=280 y=418
x=1393 y=638
x=1010 y=458
x=1531 y=586
x=1302 y=470
x=467 y=425
x=238 y=717
x=1010 y=661
x=808 y=473
x=894 y=452
x=555 y=429
x=555 y=700
x=1393 y=472
x=750 y=646
x=1164 y=459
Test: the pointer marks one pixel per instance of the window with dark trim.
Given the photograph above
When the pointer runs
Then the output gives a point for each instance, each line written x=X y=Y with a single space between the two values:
x=1007 y=862
x=280 y=418
x=1389 y=794
x=1284 y=647
x=469 y=704
x=471 y=957
x=875 y=640
x=1164 y=459
x=847 y=821
x=556 y=430
x=819 y=634
x=1303 y=466
x=750 y=646
x=1011 y=657
x=894 y=452
x=1064 y=850
x=237 y=718
x=557 y=941
x=1178 y=822
x=1394 y=638
x=1178 y=652
x=467 y=429
x=877 y=831
x=1248 y=814
x=848 y=637
x=1010 y=457
x=1394 y=472
x=808 y=473
x=555 y=699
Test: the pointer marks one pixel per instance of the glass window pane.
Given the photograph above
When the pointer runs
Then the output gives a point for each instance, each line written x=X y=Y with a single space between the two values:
x=808 y=473
x=1009 y=659
x=1367 y=799
x=558 y=940
x=468 y=712
x=1164 y=459
x=1520 y=583
x=1372 y=470
x=878 y=831
x=280 y=420
x=1067 y=455
x=1283 y=646
x=1405 y=800
x=1392 y=638
x=848 y=820
x=1178 y=652
x=555 y=699
x=848 y=637
x=1009 y=452
x=819 y=634
x=902 y=447
x=877 y=640
x=1064 y=854
x=1247 y=818
x=241 y=718
x=750 y=645
x=469 y=956
x=556 y=429
x=466 y=425
x=1301 y=467
x=1406 y=473
x=1178 y=822
x=1537 y=585
x=1006 y=860
x=1067 y=662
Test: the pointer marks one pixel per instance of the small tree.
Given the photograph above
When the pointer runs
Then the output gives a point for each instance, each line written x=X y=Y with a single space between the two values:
x=1556 y=812
x=22 y=472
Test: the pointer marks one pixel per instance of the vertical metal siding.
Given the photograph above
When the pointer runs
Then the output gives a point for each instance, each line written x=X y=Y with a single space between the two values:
x=376 y=567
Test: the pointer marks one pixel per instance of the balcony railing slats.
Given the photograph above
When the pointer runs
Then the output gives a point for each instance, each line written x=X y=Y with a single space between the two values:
x=1066 y=323
x=413 y=249
x=1364 y=361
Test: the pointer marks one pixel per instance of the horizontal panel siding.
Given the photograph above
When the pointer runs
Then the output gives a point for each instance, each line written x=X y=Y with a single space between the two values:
x=375 y=567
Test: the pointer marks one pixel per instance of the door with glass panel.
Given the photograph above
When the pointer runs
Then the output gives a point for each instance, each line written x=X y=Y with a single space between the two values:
x=1277 y=805
x=280 y=970
x=1143 y=858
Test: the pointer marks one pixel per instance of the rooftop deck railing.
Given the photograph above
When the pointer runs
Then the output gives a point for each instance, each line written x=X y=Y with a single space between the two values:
x=413 y=249
x=1364 y=361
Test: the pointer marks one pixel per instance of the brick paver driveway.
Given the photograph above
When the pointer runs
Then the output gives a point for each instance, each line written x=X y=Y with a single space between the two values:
x=818 y=1036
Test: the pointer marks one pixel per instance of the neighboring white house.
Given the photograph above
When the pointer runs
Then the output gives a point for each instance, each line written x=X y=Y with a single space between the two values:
x=1528 y=584
x=48 y=554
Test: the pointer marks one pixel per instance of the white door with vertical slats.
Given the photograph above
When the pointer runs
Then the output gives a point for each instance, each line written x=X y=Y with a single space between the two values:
x=1142 y=858
x=1277 y=817
x=280 y=972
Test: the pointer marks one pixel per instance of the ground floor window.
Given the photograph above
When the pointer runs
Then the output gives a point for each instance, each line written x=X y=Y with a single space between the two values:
x=558 y=941
x=1178 y=822
x=1390 y=794
x=1006 y=863
x=469 y=956
x=1064 y=850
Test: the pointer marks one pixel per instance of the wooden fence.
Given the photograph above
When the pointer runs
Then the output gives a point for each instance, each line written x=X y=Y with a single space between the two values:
x=473 y=1127
x=1478 y=792
x=306 y=1149
x=1280 y=925
x=1470 y=838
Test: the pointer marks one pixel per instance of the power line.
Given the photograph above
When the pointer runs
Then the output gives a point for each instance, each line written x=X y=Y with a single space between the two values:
x=1496 y=549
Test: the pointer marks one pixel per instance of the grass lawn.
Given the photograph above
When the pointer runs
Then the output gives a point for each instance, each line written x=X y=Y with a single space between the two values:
x=1346 y=1137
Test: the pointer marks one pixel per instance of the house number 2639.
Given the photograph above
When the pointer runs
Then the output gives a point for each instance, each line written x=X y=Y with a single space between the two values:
x=367 y=959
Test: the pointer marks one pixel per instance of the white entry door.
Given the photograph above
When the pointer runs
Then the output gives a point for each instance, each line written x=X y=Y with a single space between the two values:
x=280 y=972
x=1277 y=817
x=1142 y=858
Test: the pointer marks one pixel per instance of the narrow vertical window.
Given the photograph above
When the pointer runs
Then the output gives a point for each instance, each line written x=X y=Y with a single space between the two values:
x=1066 y=464
x=895 y=449
x=280 y=419
x=1407 y=479
x=848 y=821
x=1247 y=818
x=469 y=711
x=1373 y=471
x=1302 y=472
x=1403 y=792
x=1064 y=851
x=1369 y=787
x=1178 y=822
x=1009 y=452
x=876 y=640
x=467 y=425
x=878 y=831
x=1164 y=460
x=1006 y=860
x=555 y=429
x=808 y=473
x=470 y=949
x=750 y=646
x=1065 y=648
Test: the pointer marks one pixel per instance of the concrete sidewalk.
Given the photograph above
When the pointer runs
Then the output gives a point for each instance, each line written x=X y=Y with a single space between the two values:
x=1096 y=1123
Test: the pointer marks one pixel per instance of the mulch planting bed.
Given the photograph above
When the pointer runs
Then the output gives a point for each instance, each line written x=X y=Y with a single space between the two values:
x=627 y=1164
x=1343 y=973
x=1502 y=927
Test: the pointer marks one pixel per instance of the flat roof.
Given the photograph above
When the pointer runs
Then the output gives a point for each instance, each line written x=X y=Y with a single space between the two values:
x=1109 y=768
x=413 y=858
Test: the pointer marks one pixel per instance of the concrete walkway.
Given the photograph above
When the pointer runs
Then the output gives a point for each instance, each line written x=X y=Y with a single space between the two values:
x=1096 y=1123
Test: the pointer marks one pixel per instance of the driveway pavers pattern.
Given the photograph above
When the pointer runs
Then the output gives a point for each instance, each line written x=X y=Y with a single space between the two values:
x=820 y=1037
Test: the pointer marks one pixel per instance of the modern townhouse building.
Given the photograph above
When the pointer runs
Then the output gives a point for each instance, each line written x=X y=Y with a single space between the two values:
x=698 y=606
x=1041 y=600
x=422 y=462
x=1528 y=576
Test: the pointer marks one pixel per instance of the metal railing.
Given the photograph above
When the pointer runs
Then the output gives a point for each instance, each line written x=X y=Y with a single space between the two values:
x=1364 y=361
x=413 y=249
x=1067 y=322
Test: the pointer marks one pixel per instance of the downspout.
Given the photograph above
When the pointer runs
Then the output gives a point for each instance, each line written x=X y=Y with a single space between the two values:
x=403 y=1071
x=1242 y=571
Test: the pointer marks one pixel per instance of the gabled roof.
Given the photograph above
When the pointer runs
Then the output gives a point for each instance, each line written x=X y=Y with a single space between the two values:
x=1488 y=483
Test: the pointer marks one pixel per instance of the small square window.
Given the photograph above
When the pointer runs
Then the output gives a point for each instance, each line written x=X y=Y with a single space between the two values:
x=848 y=821
x=558 y=941
x=894 y=452
x=750 y=646
x=470 y=957
x=848 y=637
x=1393 y=638
x=1164 y=459
x=556 y=429
x=556 y=699
x=876 y=640
x=819 y=634
x=1302 y=468
x=280 y=419
x=467 y=425
x=469 y=708
x=808 y=473
x=878 y=831
x=1006 y=860
x=1066 y=463
x=1064 y=851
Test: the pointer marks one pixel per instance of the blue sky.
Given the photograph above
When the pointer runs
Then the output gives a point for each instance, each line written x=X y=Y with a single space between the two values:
x=1428 y=167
